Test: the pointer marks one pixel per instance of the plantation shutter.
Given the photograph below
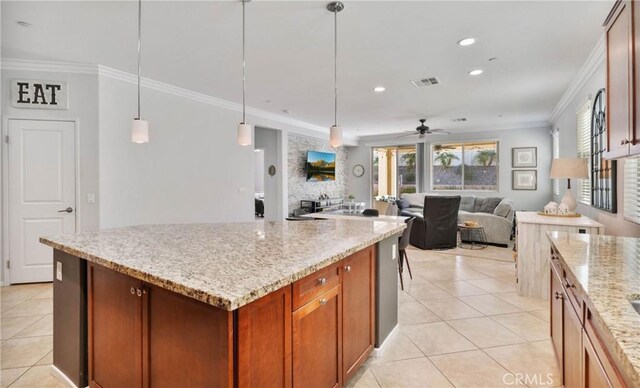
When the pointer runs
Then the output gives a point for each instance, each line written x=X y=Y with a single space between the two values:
x=632 y=190
x=583 y=120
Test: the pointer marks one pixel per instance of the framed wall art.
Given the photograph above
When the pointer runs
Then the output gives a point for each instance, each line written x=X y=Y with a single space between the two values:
x=523 y=157
x=524 y=180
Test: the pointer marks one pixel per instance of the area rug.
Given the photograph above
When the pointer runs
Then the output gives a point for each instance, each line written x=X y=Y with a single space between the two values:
x=490 y=252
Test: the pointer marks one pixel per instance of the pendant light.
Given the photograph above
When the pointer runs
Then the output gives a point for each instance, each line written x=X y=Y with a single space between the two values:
x=335 y=132
x=140 y=128
x=244 y=129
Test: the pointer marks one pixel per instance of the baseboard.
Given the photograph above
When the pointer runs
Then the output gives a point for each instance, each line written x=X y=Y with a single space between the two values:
x=57 y=373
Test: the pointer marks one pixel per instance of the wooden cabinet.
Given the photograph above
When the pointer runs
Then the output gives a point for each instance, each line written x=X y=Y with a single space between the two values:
x=317 y=341
x=264 y=328
x=141 y=335
x=358 y=312
x=115 y=329
x=582 y=357
x=623 y=106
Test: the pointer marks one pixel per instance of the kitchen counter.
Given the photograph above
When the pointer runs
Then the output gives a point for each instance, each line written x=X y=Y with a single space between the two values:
x=224 y=265
x=607 y=272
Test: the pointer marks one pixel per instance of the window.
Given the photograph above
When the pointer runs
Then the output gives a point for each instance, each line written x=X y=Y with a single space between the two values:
x=632 y=190
x=556 y=155
x=465 y=166
x=394 y=171
x=583 y=120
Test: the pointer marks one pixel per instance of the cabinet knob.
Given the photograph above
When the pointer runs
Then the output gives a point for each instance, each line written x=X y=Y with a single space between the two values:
x=624 y=141
x=569 y=285
x=323 y=302
x=322 y=280
x=347 y=268
x=133 y=290
x=138 y=292
x=558 y=295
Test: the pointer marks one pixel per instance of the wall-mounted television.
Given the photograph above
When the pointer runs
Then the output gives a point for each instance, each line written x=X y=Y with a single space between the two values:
x=321 y=166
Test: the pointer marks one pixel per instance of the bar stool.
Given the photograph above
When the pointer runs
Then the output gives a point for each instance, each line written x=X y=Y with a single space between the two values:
x=403 y=243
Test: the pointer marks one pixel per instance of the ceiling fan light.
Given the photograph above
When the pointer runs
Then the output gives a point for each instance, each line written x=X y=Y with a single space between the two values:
x=140 y=131
x=245 y=133
x=335 y=136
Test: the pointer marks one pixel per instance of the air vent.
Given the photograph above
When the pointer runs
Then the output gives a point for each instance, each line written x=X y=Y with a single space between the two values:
x=421 y=83
x=459 y=119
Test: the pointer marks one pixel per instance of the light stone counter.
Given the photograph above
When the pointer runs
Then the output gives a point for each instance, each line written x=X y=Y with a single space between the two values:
x=607 y=269
x=225 y=265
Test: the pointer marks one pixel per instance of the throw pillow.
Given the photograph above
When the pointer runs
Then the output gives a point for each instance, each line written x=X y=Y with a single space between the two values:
x=402 y=204
x=503 y=208
x=489 y=205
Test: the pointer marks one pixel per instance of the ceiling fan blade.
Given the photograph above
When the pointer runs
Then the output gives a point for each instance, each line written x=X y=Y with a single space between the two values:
x=406 y=135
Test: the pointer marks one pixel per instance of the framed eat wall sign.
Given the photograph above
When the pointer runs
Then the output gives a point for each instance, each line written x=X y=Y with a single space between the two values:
x=39 y=94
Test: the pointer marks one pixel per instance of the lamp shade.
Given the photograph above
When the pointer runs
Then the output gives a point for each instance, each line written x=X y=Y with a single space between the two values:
x=569 y=168
x=244 y=134
x=335 y=136
x=140 y=131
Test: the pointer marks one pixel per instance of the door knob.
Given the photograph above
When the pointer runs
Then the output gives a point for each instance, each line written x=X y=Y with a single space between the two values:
x=67 y=210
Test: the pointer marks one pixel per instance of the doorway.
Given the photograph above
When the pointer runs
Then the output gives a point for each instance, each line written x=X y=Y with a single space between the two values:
x=40 y=187
x=269 y=168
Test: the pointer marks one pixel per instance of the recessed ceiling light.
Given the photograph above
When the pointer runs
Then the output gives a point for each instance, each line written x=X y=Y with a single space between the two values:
x=466 y=42
x=476 y=72
x=379 y=89
x=493 y=59
x=23 y=24
x=286 y=111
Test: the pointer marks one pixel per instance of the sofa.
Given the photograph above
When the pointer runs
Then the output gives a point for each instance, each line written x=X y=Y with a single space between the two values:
x=494 y=214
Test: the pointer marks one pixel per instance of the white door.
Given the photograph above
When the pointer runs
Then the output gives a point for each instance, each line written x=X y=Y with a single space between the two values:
x=42 y=200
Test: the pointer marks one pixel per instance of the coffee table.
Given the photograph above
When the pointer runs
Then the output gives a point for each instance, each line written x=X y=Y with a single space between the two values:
x=471 y=237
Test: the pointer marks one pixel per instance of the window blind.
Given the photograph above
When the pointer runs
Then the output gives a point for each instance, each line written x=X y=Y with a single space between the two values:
x=632 y=190
x=556 y=154
x=583 y=124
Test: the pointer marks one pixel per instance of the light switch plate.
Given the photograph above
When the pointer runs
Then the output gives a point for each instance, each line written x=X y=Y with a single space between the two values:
x=59 y=270
x=394 y=252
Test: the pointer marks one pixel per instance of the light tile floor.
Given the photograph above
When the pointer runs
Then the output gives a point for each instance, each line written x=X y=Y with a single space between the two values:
x=462 y=324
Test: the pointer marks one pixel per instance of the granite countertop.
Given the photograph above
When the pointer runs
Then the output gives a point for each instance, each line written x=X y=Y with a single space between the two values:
x=225 y=265
x=607 y=269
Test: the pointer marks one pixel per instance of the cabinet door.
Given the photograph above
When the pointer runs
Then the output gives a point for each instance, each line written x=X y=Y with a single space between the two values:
x=187 y=343
x=571 y=346
x=594 y=375
x=317 y=342
x=358 y=312
x=620 y=102
x=264 y=328
x=557 y=307
x=115 y=329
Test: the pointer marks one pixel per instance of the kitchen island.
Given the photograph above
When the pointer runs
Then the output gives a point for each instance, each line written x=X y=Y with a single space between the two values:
x=595 y=329
x=244 y=304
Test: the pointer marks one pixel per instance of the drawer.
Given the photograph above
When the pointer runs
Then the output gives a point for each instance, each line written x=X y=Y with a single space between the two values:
x=574 y=296
x=312 y=286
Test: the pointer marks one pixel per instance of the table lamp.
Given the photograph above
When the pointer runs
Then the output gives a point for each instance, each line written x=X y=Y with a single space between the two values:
x=569 y=168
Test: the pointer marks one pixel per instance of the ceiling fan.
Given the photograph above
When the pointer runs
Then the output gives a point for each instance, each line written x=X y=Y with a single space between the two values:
x=422 y=130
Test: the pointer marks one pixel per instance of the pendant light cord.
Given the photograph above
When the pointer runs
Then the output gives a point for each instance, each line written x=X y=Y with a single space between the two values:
x=244 y=88
x=335 y=66
x=139 y=50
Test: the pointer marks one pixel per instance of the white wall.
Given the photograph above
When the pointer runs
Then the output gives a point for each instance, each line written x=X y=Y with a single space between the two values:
x=83 y=108
x=360 y=187
x=508 y=139
x=192 y=170
x=615 y=224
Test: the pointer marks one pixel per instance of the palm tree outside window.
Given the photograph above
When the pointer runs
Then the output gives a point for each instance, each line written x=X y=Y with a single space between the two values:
x=465 y=166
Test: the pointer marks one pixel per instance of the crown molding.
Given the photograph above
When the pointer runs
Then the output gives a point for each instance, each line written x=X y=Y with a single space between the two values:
x=594 y=60
x=105 y=71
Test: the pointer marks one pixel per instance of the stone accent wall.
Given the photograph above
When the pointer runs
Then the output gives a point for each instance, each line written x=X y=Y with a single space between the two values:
x=298 y=186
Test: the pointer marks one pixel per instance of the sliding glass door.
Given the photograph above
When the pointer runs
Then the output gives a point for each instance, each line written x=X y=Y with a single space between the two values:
x=394 y=171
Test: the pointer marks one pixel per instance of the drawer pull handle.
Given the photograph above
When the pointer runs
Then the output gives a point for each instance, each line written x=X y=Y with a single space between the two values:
x=322 y=280
x=558 y=295
x=133 y=290
x=569 y=285
x=347 y=268
x=323 y=302
x=139 y=292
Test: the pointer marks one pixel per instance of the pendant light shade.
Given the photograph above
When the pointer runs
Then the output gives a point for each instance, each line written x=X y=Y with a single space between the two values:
x=140 y=131
x=335 y=132
x=245 y=131
x=335 y=136
x=244 y=134
x=139 y=127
